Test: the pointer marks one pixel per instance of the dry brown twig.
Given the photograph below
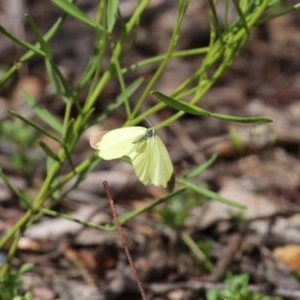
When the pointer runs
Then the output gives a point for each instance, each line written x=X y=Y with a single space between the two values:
x=123 y=240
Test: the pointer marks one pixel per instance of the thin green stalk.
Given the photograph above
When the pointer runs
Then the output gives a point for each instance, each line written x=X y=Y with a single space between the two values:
x=158 y=58
x=200 y=255
x=174 y=40
x=215 y=23
x=11 y=253
x=116 y=53
x=100 y=47
x=122 y=86
x=52 y=213
x=281 y=13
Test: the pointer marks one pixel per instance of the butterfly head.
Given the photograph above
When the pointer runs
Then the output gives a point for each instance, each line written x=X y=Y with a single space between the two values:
x=150 y=132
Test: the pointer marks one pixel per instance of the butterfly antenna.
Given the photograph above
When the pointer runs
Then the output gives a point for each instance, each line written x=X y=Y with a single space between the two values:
x=148 y=122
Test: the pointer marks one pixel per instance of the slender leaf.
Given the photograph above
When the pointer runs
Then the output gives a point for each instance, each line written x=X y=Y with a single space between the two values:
x=88 y=72
x=70 y=137
x=57 y=79
x=112 y=12
x=211 y=195
x=14 y=190
x=200 y=169
x=241 y=15
x=75 y=12
x=43 y=113
x=36 y=126
x=47 y=150
x=44 y=45
x=215 y=20
x=198 y=111
x=236 y=140
x=34 y=48
x=88 y=224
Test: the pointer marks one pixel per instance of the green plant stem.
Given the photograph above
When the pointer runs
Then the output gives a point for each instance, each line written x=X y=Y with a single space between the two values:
x=174 y=40
x=196 y=250
x=115 y=55
x=158 y=58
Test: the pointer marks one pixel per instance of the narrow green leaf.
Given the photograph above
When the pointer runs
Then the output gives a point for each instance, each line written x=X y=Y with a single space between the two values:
x=70 y=136
x=112 y=12
x=56 y=78
x=212 y=195
x=179 y=105
x=258 y=119
x=50 y=162
x=198 y=111
x=122 y=84
x=13 y=189
x=87 y=224
x=36 y=126
x=26 y=268
x=47 y=150
x=241 y=15
x=75 y=12
x=44 y=45
x=130 y=89
x=200 y=169
x=236 y=140
x=88 y=72
x=43 y=113
x=215 y=20
x=34 y=48
x=70 y=133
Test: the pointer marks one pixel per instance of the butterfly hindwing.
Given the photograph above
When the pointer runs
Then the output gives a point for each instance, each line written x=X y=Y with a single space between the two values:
x=152 y=162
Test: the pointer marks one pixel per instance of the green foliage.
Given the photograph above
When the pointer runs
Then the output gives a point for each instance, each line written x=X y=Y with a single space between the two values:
x=236 y=289
x=11 y=283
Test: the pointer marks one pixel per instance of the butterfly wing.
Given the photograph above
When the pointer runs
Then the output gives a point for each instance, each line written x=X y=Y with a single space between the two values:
x=152 y=162
x=162 y=167
x=119 y=142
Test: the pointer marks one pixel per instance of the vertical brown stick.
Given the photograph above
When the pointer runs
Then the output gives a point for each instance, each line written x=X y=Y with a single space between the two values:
x=123 y=240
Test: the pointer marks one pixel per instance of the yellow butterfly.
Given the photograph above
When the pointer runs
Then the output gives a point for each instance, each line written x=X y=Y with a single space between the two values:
x=146 y=151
